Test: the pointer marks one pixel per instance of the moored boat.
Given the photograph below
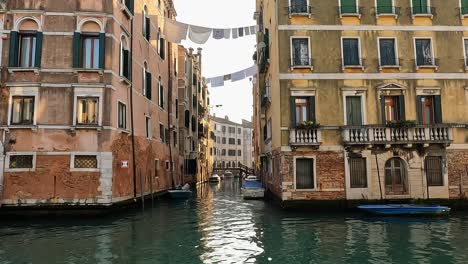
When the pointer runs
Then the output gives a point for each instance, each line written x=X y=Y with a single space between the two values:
x=180 y=194
x=405 y=209
x=214 y=178
x=252 y=188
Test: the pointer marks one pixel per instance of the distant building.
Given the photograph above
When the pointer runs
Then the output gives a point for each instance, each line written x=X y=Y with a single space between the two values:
x=232 y=142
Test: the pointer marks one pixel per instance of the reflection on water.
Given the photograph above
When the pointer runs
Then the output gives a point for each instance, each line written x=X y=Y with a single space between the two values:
x=217 y=226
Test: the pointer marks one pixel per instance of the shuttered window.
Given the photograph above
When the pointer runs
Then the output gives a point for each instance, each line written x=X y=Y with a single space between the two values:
x=429 y=109
x=354 y=111
x=25 y=49
x=305 y=178
x=348 y=6
x=351 y=55
x=465 y=43
x=385 y=7
x=393 y=108
x=420 y=7
x=464 y=7
x=387 y=51
x=298 y=6
x=434 y=173
x=424 y=55
x=302 y=110
x=358 y=172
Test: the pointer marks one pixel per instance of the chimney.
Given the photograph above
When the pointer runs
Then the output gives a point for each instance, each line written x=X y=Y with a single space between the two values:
x=226 y=117
x=190 y=51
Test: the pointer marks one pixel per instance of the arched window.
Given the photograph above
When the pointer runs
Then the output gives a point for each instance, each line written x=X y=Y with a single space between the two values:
x=124 y=57
x=396 y=180
x=146 y=81
x=89 y=44
x=161 y=45
x=160 y=93
x=146 y=24
x=25 y=44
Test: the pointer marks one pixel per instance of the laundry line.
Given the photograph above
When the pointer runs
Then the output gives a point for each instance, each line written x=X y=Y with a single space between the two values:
x=218 y=81
x=176 y=31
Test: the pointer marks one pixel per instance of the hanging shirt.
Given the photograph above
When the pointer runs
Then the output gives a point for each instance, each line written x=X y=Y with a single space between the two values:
x=235 y=33
x=227 y=33
x=175 y=31
x=251 y=71
x=247 y=31
x=218 y=33
x=237 y=76
x=199 y=35
x=217 y=81
x=253 y=30
x=241 y=32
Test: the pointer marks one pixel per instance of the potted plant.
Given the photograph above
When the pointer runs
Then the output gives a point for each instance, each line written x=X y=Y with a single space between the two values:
x=308 y=125
x=402 y=124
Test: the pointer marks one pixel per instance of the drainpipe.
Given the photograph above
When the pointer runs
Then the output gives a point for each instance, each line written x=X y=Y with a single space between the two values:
x=132 y=121
x=169 y=109
x=2 y=165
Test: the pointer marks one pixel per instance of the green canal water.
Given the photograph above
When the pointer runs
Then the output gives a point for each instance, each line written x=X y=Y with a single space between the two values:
x=217 y=226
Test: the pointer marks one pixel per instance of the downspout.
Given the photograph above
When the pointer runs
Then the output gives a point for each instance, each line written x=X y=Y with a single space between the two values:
x=169 y=110
x=2 y=167
x=131 y=113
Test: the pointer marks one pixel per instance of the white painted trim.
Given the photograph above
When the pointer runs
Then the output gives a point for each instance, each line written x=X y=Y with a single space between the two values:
x=23 y=91
x=395 y=49
x=291 y=51
x=373 y=28
x=81 y=22
x=126 y=114
x=88 y=92
x=72 y=161
x=373 y=76
x=432 y=52
x=342 y=52
x=428 y=91
x=7 y=161
x=458 y=147
x=361 y=94
x=302 y=92
x=314 y=160
x=21 y=19
x=465 y=52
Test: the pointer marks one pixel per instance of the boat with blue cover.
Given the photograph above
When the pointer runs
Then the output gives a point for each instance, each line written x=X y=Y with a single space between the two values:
x=405 y=209
x=180 y=192
x=252 y=188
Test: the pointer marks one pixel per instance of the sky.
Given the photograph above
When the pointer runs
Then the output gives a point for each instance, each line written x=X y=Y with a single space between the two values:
x=220 y=57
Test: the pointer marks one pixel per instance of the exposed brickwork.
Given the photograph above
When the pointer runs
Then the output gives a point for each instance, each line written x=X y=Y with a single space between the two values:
x=458 y=173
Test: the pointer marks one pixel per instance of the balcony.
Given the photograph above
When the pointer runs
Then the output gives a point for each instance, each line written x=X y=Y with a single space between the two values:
x=305 y=137
x=299 y=10
x=370 y=135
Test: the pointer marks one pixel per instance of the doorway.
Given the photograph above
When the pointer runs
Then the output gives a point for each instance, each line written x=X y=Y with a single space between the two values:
x=396 y=180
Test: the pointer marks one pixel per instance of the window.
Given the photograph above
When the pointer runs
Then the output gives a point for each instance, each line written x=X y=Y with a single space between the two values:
x=232 y=130
x=124 y=58
x=300 y=52
x=393 y=108
x=429 y=109
x=147 y=78
x=348 y=7
x=239 y=131
x=168 y=165
x=385 y=7
x=424 y=53
x=358 y=172
x=21 y=162
x=177 y=108
x=90 y=51
x=89 y=48
x=232 y=141
x=239 y=153
x=354 y=111
x=146 y=24
x=129 y=5
x=304 y=175
x=85 y=162
x=421 y=7
x=22 y=111
x=303 y=110
x=465 y=45
x=122 y=115
x=351 y=52
x=223 y=129
x=187 y=119
x=238 y=141
x=224 y=140
x=464 y=7
x=27 y=50
x=269 y=126
x=299 y=7
x=396 y=182
x=162 y=45
x=148 y=127
x=232 y=152
x=168 y=136
x=161 y=132
x=387 y=52
x=434 y=173
x=223 y=152
x=161 y=93
x=156 y=168
x=87 y=111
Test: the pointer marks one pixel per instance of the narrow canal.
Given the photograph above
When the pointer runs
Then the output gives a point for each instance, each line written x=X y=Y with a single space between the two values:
x=219 y=227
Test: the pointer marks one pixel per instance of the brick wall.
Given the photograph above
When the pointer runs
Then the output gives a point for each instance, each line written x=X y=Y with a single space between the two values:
x=458 y=173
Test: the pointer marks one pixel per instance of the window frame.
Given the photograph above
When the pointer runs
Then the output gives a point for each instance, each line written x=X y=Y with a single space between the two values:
x=119 y=103
x=366 y=170
x=357 y=13
x=148 y=127
x=7 y=161
x=314 y=169
x=306 y=13
x=95 y=37
x=22 y=123
x=433 y=65
x=429 y=10
x=394 y=13
x=72 y=161
x=98 y=111
x=291 y=52
x=363 y=106
x=32 y=55
x=361 y=66
x=87 y=92
x=442 y=173
x=395 y=49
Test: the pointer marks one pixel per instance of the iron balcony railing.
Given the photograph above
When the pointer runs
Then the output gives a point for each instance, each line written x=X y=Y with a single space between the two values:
x=297 y=61
x=380 y=134
x=299 y=10
x=305 y=137
x=388 y=10
x=423 y=10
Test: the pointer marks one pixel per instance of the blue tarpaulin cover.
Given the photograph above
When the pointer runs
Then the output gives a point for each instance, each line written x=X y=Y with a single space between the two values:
x=252 y=185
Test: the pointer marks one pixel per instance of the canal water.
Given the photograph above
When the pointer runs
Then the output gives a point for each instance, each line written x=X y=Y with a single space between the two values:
x=217 y=226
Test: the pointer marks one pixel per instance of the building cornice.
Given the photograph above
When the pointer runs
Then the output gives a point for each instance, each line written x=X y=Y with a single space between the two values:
x=373 y=76
x=372 y=28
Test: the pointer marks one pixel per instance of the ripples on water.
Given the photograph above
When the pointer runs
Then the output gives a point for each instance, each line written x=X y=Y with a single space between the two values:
x=219 y=227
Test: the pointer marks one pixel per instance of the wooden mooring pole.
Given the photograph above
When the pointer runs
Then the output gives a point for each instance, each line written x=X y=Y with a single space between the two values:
x=141 y=192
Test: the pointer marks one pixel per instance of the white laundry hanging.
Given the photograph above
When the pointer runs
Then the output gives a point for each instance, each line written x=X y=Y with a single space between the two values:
x=175 y=31
x=199 y=35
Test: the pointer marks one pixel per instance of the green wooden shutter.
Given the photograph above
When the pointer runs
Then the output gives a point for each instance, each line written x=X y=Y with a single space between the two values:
x=384 y=7
x=77 y=50
x=437 y=109
x=38 y=49
x=419 y=109
x=163 y=49
x=148 y=85
x=312 y=108
x=130 y=6
x=293 y=111
x=464 y=7
x=148 y=28
x=382 y=110
x=126 y=64
x=14 y=47
x=401 y=108
x=102 y=50
x=348 y=6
